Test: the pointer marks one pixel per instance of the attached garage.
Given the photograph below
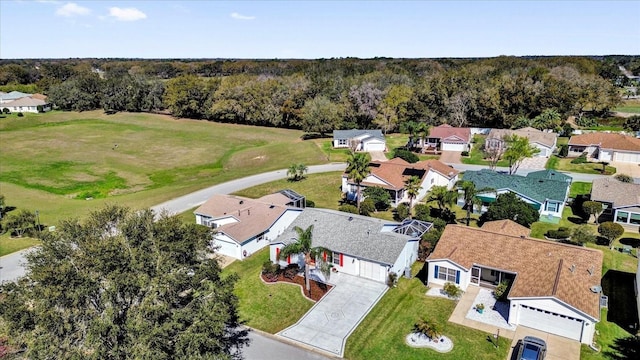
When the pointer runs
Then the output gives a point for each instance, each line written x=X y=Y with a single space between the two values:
x=629 y=157
x=372 y=271
x=373 y=145
x=449 y=146
x=227 y=247
x=550 y=322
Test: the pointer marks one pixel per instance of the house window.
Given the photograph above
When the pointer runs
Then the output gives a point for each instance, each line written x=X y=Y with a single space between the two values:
x=342 y=141
x=634 y=218
x=447 y=274
x=622 y=216
x=336 y=258
x=552 y=206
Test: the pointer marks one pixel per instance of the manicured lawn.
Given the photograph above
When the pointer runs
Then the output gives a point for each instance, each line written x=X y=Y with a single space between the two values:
x=580 y=188
x=51 y=162
x=629 y=106
x=331 y=154
x=9 y=244
x=476 y=155
x=269 y=308
x=564 y=164
x=382 y=333
x=396 y=140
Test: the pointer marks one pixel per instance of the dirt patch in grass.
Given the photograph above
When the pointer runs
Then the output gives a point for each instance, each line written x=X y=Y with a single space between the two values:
x=318 y=289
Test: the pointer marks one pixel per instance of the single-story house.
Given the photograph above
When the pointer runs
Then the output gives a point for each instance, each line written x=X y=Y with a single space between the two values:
x=507 y=227
x=360 y=140
x=554 y=287
x=13 y=95
x=550 y=175
x=620 y=200
x=391 y=175
x=360 y=245
x=244 y=226
x=446 y=138
x=544 y=193
x=607 y=147
x=544 y=141
x=27 y=104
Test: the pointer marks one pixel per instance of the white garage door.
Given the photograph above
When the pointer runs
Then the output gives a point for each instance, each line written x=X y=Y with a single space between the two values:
x=374 y=146
x=226 y=248
x=551 y=322
x=372 y=271
x=626 y=157
x=452 y=147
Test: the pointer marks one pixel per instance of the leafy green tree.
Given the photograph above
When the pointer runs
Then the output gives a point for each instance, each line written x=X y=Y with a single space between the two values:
x=121 y=285
x=406 y=155
x=357 y=170
x=583 y=234
x=518 y=149
x=348 y=208
x=412 y=189
x=187 y=96
x=508 y=206
x=367 y=207
x=20 y=223
x=470 y=196
x=304 y=246
x=380 y=197
x=402 y=211
x=592 y=208
x=444 y=197
x=320 y=115
x=549 y=119
x=632 y=123
x=610 y=231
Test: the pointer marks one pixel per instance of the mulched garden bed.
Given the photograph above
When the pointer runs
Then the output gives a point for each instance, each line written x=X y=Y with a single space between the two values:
x=318 y=289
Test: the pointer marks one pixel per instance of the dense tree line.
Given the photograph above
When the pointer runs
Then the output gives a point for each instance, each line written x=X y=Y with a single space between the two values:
x=321 y=95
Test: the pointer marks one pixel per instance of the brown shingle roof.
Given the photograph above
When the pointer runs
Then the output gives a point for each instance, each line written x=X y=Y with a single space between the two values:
x=616 y=192
x=543 y=268
x=507 y=227
x=394 y=172
x=607 y=141
x=534 y=135
x=276 y=198
x=445 y=131
x=254 y=216
x=25 y=101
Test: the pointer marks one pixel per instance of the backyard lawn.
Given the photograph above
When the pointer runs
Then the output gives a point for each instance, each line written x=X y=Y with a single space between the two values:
x=564 y=164
x=476 y=155
x=629 y=106
x=269 y=308
x=9 y=244
x=384 y=329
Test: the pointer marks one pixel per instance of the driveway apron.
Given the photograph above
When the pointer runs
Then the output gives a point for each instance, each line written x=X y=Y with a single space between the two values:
x=328 y=324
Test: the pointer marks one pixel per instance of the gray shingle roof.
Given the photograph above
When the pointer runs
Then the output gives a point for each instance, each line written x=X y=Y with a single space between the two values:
x=349 y=134
x=360 y=237
x=616 y=192
x=538 y=189
x=13 y=95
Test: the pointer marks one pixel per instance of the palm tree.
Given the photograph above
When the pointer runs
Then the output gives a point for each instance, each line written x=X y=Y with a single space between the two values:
x=443 y=196
x=292 y=172
x=303 y=245
x=412 y=188
x=301 y=170
x=424 y=129
x=357 y=170
x=470 y=196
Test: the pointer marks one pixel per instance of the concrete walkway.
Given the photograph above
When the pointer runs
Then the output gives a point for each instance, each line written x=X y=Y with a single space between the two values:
x=459 y=315
x=328 y=324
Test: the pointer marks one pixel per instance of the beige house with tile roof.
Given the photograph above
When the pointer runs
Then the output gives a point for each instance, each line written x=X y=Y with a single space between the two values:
x=620 y=200
x=544 y=141
x=554 y=287
x=601 y=146
x=243 y=225
x=391 y=175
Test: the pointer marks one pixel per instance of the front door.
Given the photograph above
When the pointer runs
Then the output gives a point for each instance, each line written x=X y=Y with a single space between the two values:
x=475 y=275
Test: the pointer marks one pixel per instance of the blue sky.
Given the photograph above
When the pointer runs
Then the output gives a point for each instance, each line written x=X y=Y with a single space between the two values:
x=316 y=29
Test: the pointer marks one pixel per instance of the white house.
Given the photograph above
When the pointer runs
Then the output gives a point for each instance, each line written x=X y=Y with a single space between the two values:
x=543 y=141
x=553 y=287
x=360 y=140
x=360 y=245
x=391 y=175
x=27 y=104
x=545 y=190
x=606 y=147
x=244 y=226
x=446 y=138
x=621 y=201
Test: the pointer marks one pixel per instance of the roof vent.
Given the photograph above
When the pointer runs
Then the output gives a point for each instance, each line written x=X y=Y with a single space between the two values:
x=271 y=206
x=573 y=267
x=241 y=202
x=350 y=218
x=590 y=270
x=596 y=288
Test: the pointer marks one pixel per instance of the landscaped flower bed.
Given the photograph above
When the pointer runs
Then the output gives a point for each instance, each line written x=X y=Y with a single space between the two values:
x=318 y=289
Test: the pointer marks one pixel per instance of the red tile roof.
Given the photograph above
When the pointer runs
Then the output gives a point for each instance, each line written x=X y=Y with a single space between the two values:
x=607 y=141
x=445 y=131
x=394 y=172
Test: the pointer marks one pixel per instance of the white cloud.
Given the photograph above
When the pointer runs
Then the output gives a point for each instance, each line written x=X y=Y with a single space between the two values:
x=237 y=16
x=126 y=14
x=48 y=1
x=72 y=9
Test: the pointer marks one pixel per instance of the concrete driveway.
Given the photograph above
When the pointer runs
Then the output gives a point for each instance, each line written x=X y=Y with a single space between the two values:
x=377 y=156
x=450 y=157
x=328 y=324
x=558 y=347
x=627 y=168
x=534 y=163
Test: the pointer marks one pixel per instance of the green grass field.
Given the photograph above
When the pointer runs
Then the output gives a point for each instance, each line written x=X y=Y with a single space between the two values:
x=564 y=164
x=629 y=106
x=53 y=162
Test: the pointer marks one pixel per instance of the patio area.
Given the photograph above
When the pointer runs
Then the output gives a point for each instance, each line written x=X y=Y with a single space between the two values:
x=495 y=313
x=490 y=321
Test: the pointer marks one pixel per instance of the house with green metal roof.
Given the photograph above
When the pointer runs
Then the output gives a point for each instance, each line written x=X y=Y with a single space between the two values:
x=543 y=191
